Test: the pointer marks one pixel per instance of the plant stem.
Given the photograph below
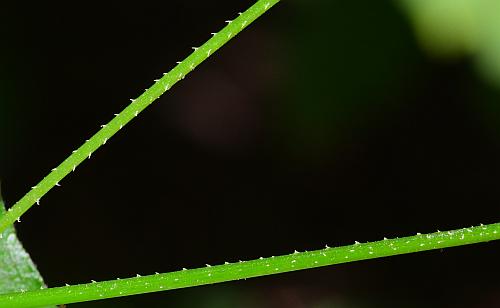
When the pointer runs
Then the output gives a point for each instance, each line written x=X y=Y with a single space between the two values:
x=249 y=269
x=139 y=104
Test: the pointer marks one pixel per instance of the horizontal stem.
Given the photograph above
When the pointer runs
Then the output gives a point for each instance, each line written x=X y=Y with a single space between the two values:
x=131 y=111
x=248 y=269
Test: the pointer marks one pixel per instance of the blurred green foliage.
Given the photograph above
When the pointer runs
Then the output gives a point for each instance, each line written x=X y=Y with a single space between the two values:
x=454 y=28
x=351 y=66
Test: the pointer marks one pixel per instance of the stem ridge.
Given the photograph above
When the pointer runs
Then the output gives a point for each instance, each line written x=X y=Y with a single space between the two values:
x=137 y=105
x=211 y=274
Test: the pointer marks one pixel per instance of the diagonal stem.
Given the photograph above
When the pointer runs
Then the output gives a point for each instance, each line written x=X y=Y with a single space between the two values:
x=137 y=105
x=248 y=269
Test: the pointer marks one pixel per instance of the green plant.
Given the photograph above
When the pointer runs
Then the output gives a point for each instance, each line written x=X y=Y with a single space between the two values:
x=210 y=274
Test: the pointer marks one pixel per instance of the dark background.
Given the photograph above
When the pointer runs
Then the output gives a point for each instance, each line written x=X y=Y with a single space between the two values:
x=323 y=123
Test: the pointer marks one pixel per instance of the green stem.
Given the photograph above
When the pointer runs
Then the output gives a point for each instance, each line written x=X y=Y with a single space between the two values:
x=248 y=269
x=158 y=88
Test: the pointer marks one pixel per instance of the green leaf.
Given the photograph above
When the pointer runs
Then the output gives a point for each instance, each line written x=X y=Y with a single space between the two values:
x=17 y=270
